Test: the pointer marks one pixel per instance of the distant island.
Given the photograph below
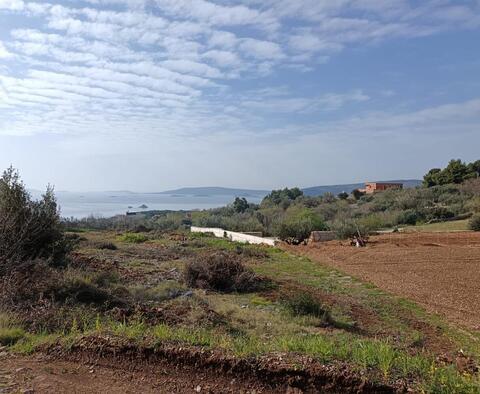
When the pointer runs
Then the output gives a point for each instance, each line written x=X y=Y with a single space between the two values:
x=308 y=191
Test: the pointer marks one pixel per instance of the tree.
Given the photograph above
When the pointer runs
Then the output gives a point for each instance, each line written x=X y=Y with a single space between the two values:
x=29 y=229
x=283 y=197
x=431 y=178
x=343 y=195
x=455 y=172
x=474 y=169
x=240 y=205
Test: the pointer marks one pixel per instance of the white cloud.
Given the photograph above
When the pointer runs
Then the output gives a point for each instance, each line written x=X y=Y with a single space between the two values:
x=12 y=5
x=179 y=60
x=261 y=49
x=4 y=53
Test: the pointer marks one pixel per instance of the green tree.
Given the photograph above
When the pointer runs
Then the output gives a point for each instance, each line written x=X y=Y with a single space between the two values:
x=431 y=178
x=240 y=205
x=29 y=229
x=455 y=172
x=343 y=195
x=283 y=196
x=474 y=169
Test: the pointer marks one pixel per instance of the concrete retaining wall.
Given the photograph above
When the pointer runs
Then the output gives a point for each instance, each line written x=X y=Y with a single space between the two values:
x=234 y=236
x=322 y=236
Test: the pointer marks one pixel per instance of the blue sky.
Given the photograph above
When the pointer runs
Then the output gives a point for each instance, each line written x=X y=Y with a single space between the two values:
x=154 y=94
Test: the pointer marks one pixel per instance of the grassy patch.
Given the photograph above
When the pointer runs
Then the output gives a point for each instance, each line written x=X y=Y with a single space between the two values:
x=133 y=238
x=454 y=225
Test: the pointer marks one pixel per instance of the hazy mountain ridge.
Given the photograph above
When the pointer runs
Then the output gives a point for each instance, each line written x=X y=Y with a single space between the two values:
x=237 y=192
x=309 y=191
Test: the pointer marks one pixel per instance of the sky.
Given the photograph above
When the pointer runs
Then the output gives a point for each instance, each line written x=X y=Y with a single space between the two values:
x=149 y=95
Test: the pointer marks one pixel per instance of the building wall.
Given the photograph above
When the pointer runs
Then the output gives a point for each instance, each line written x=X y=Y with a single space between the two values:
x=234 y=236
x=372 y=187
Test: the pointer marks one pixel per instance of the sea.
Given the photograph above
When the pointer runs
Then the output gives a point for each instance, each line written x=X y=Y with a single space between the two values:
x=107 y=204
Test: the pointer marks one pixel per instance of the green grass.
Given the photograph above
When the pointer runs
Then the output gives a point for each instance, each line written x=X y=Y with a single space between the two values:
x=454 y=225
x=366 y=355
x=135 y=238
x=10 y=336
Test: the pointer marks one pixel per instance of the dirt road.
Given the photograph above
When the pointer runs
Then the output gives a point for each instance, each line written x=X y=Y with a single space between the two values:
x=440 y=271
x=40 y=375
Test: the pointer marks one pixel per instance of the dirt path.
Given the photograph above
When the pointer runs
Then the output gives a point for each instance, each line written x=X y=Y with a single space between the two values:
x=40 y=375
x=440 y=271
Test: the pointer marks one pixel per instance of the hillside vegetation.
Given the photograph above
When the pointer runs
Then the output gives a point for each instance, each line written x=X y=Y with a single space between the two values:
x=289 y=214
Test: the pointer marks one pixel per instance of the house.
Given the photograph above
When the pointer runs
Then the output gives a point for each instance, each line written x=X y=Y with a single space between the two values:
x=374 y=187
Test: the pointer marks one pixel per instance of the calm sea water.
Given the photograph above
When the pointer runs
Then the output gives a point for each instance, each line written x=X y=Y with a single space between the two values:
x=79 y=205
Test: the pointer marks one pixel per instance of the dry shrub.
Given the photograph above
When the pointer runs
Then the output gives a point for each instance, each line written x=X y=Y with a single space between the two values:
x=222 y=272
x=47 y=298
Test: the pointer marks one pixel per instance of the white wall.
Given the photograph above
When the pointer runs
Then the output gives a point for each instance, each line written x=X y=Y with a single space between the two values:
x=233 y=236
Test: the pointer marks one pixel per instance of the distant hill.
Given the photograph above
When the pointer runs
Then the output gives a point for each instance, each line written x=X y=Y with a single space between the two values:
x=216 y=191
x=335 y=189
x=309 y=191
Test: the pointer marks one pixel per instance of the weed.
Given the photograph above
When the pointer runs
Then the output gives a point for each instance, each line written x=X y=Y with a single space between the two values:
x=304 y=304
x=9 y=336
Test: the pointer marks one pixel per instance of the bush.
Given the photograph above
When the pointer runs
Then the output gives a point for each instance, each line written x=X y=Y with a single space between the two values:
x=222 y=272
x=474 y=223
x=299 y=224
x=305 y=305
x=29 y=230
x=408 y=217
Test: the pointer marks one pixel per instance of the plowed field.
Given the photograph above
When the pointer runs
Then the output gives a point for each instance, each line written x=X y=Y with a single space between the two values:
x=440 y=271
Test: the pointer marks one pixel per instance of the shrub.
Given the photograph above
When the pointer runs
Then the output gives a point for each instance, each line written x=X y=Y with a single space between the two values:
x=222 y=272
x=304 y=304
x=408 y=217
x=299 y=224
x=474 y=223
x=29 y=229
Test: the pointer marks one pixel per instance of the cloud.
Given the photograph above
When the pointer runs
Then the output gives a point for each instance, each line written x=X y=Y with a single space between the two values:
x=4 y=53
x=175 y=66
x=12 y=5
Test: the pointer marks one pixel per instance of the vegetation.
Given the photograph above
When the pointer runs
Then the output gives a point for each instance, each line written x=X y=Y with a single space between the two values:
x=29 y=230
x=456 y=172
x=221 y=272
x=474 y=223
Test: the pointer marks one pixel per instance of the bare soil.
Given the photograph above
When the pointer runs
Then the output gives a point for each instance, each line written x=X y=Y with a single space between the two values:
x=113 y=365
x=440 y=271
